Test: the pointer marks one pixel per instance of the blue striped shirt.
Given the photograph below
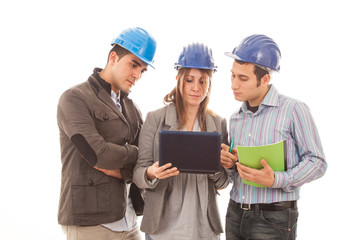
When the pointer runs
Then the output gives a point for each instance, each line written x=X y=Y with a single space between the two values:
x=278 y=118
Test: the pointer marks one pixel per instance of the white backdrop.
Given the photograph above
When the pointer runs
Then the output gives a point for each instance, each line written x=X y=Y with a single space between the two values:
x=49 y=46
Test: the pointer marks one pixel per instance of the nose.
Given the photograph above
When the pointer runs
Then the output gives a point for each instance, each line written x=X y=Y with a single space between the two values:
x=196 y=86
x=137 y=74
x=234 y=84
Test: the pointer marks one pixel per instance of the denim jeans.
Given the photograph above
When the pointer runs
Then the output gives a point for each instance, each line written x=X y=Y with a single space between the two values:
x=258 y=224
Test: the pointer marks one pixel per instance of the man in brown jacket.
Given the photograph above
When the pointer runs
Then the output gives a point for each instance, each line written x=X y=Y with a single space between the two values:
x=99 y=129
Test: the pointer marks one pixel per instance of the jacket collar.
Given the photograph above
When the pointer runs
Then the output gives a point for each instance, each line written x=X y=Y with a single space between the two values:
x=210 y=123
x=102 y=83
x=171 y=119
x=103 y=91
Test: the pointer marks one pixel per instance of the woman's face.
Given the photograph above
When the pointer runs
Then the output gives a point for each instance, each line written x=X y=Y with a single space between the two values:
x=194 y=87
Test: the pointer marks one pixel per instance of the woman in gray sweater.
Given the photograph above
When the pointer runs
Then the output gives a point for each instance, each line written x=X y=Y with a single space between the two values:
x=181 y=205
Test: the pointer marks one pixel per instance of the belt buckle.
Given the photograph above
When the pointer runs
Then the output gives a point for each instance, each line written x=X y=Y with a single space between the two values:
x=245 y=208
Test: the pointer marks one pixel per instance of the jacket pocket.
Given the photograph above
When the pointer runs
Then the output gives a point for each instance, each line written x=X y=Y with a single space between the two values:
x=111 y=127
x=90 y=195
x=106 y=116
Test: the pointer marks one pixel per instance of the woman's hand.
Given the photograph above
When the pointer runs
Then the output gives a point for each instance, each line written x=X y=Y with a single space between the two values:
x=228 y=159
x=154 y=171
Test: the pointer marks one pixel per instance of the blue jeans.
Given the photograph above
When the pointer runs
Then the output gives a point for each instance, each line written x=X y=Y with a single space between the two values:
x=257 y=224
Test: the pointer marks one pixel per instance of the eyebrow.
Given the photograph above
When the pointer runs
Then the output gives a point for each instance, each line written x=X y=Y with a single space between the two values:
x=202 y=77
x=137 y=63
x=239 y=75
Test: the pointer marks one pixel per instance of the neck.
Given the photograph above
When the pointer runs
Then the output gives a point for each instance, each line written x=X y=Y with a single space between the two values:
x=104 y=75
x=191 y=114
x=257 y=101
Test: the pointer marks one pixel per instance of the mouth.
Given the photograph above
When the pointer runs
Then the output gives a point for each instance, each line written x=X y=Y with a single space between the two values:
x=131 y=82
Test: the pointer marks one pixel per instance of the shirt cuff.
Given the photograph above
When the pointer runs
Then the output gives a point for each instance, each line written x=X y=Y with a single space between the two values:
x=281 y=180
x=151 y=183
x=231 y=171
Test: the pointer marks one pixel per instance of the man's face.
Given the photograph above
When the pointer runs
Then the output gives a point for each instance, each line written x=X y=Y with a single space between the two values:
x=125 y=72
x=244 y=84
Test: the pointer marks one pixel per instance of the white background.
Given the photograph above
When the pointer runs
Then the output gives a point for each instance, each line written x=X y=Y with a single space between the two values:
x=49 y=46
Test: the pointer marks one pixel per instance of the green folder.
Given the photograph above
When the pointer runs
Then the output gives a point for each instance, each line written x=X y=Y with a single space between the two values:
x=274 y=154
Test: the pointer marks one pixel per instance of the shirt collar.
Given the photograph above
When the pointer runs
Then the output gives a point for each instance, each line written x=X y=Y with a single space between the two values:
x=114 y=96
x=271 y=98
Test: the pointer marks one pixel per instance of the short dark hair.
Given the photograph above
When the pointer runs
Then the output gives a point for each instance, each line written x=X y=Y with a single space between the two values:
x=258 y=71
x=119 y=50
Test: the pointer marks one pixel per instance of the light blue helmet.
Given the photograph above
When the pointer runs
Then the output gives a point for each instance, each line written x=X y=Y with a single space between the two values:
x=196 y=55
x=139 y=42
x=258 y=49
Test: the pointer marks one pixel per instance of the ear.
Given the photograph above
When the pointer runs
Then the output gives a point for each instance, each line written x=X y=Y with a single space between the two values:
x=265 y=80
x=113 y=57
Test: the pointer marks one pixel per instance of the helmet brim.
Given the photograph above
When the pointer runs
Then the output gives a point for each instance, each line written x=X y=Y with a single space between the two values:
x=132 y=51
x=229 y=54
x=144 y=60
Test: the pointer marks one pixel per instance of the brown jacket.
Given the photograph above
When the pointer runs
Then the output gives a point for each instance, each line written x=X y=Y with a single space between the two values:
x=93 y=132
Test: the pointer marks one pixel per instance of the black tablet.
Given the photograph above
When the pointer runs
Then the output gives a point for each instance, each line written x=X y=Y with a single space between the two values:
x=193 y=152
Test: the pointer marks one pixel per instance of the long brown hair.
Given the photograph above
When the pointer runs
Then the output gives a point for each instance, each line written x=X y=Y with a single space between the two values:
x=175 y=97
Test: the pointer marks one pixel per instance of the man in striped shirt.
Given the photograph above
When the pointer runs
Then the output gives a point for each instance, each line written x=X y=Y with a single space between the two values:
x=266 y=117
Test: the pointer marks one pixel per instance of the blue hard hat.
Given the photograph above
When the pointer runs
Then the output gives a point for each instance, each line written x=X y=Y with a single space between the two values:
x=196 y=55
x=258 y=49
x=139 y=42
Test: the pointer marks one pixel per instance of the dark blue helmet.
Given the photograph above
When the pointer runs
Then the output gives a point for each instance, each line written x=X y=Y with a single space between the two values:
x=258 y=49
x=196 y=55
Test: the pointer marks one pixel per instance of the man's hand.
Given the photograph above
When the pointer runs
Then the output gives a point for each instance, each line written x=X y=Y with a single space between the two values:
x=228 y=159
x=112 y=173
x=154 y=171
x=264 y=176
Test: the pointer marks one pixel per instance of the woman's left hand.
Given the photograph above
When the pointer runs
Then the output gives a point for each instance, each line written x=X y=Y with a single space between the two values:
x=154 y=171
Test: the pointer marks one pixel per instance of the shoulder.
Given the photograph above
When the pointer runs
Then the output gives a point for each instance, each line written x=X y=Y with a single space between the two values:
x=158 y=112
x=156 y=116
x=215 y=121
x=78 y=91
x=216 y=117
x=292 y=104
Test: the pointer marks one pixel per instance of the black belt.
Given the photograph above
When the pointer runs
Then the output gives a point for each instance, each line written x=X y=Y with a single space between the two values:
x=278 y=206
